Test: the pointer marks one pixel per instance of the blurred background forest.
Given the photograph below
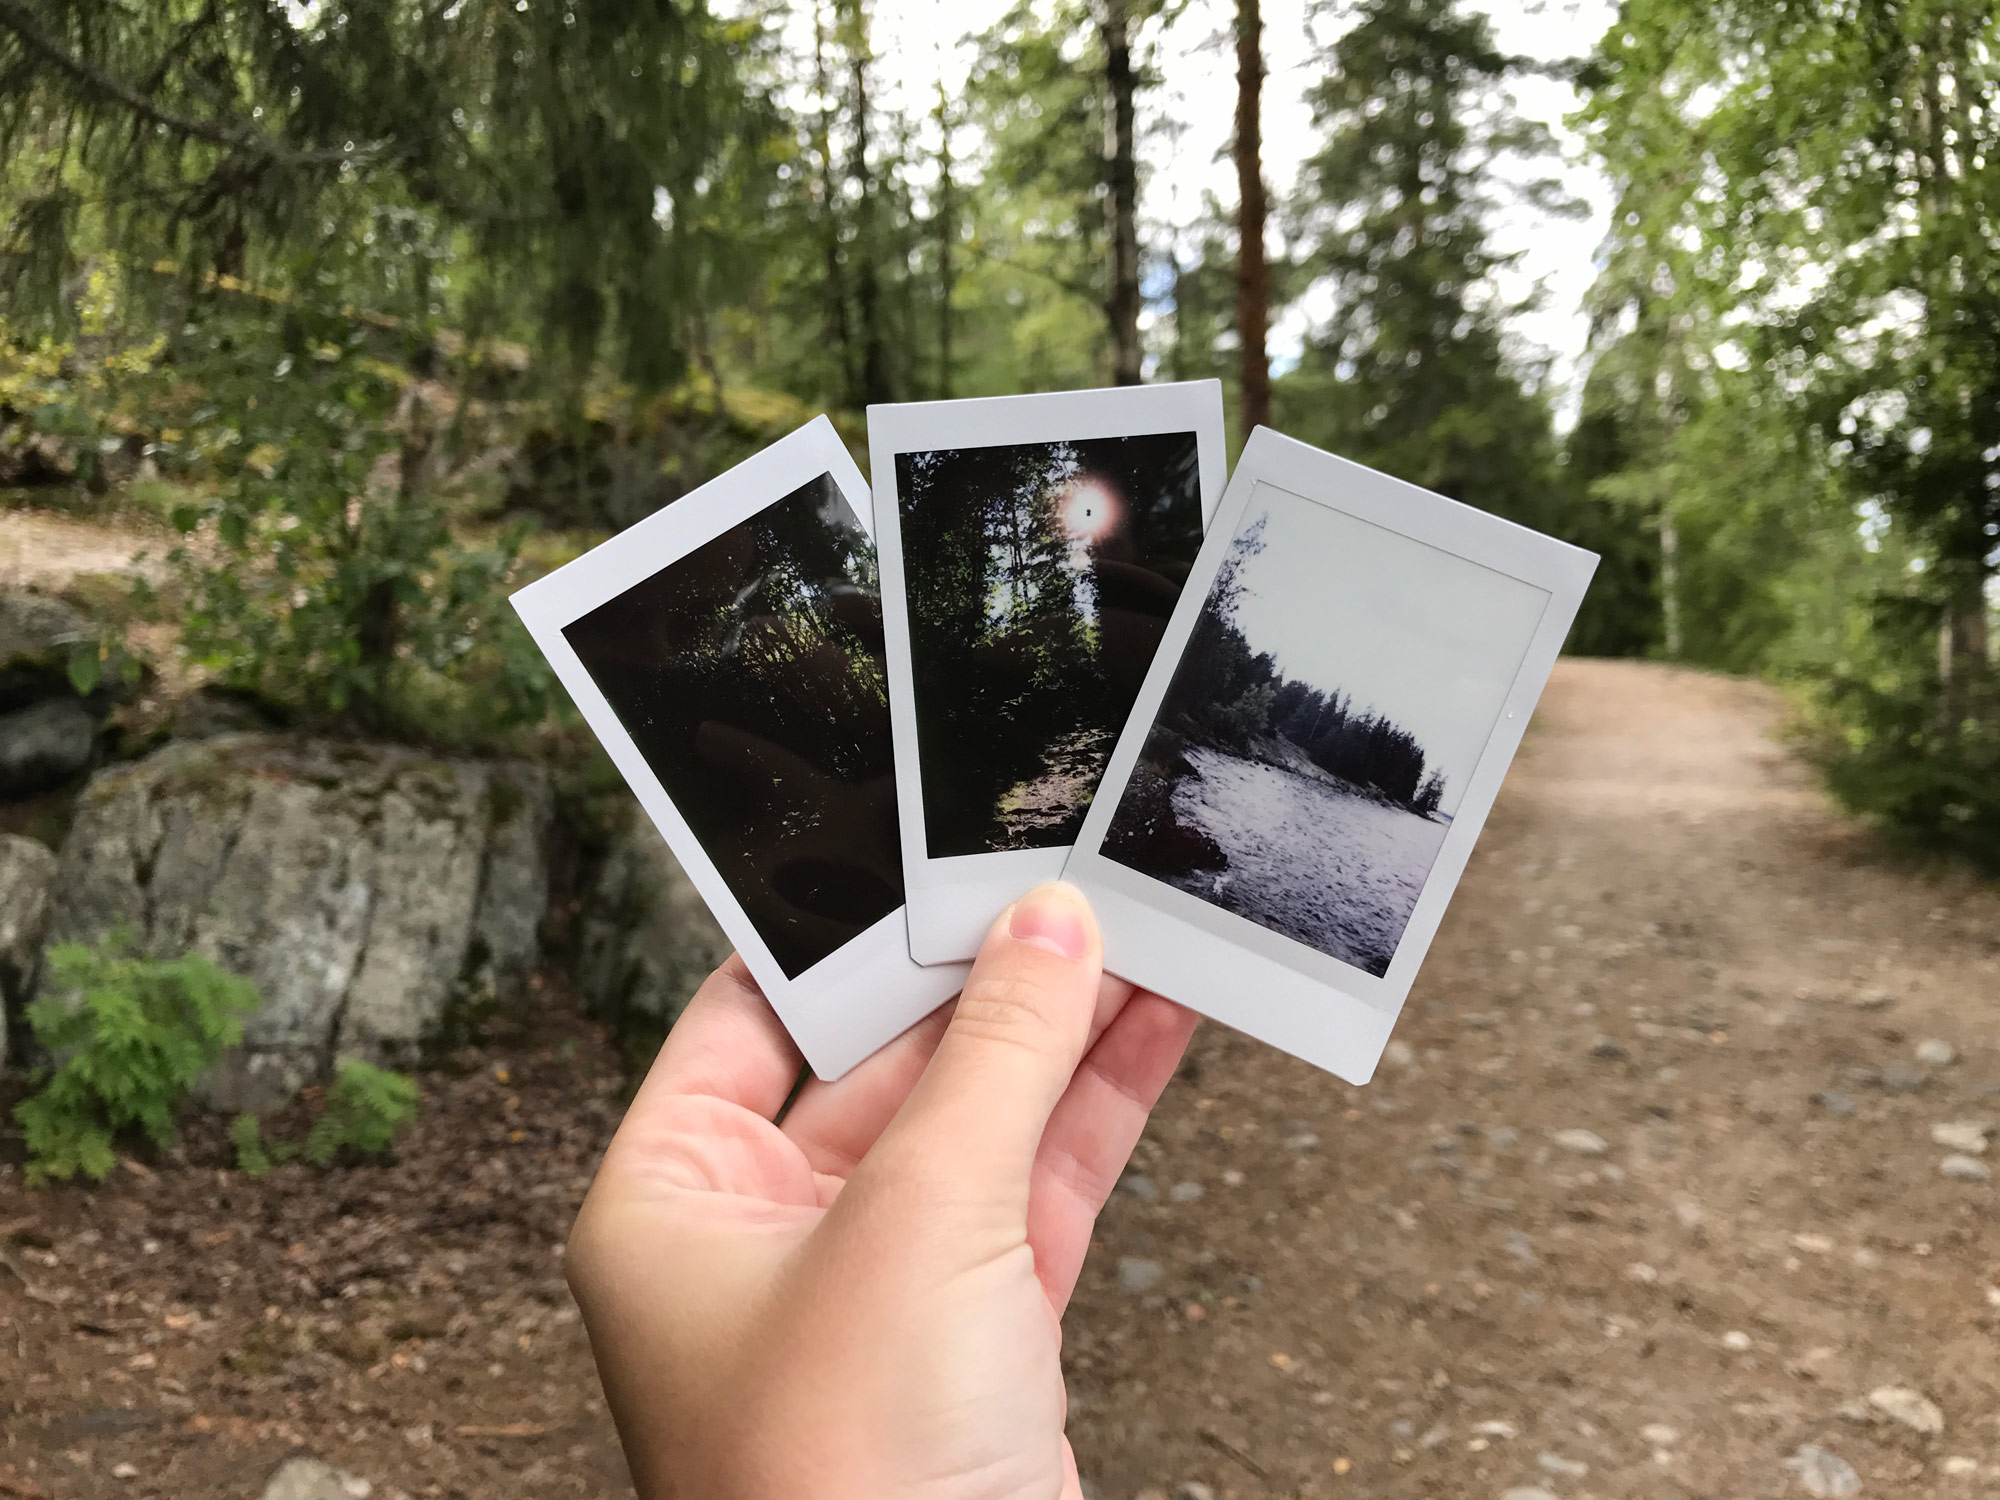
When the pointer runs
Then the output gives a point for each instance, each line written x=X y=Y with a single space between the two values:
x=383 y=305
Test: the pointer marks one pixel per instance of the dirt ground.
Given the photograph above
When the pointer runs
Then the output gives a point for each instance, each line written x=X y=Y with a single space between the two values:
x=1304 y=1289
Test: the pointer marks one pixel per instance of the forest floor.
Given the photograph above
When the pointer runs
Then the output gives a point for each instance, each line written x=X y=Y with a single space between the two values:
x=1644 y=1200
x=1056 y=798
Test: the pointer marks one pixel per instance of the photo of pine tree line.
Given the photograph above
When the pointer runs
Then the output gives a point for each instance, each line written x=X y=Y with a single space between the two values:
x=1040 y=577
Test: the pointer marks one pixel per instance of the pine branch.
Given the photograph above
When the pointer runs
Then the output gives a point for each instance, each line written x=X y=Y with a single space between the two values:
x=15 y=17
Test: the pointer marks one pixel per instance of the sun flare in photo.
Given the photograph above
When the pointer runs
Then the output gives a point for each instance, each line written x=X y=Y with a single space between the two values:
x=1089 y=509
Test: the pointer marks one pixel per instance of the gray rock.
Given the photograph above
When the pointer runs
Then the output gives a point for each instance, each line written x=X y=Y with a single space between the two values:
x=1302 y=1140
x=1824 y=1474
x=1965 y=1168
x=1136 y=1275
x=1936 y=1052
x=1501 y=1137
x=1903 y=1078
x=1912 y=1408
x=45 y=744
x=311 y=1479
x=1834 y=1104
x=1193 y=1490
x=1140 y=1186
x=1187 y=1192
x=1607 y=1050
x=27 y=870
x=1567 y=1468
x=647 y=940
x=37 y=629
x=1967 y=1136
x=1521 y=1246
x=1582 y=1142
x=371 y=893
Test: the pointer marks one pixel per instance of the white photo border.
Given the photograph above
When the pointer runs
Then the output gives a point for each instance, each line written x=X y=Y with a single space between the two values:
x=1309 y=1003
x=866 y=992
x=953 y=900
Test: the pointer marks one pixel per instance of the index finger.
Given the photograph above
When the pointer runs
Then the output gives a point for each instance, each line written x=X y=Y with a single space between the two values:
x=728 y=1045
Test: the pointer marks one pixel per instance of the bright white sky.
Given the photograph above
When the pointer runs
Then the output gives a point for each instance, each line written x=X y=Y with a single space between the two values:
x=1429 y=640
x=920 y=41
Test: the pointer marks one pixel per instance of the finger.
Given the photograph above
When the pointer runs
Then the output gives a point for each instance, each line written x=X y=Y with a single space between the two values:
x=728 y=1045
x=836 y=1123
x=969 y=1129
x=1093 y=1129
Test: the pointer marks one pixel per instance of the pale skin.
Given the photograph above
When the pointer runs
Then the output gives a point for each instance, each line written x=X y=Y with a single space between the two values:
x=864 y=1302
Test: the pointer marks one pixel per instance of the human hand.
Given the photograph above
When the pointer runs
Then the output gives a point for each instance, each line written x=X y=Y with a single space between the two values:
x=863 y=1301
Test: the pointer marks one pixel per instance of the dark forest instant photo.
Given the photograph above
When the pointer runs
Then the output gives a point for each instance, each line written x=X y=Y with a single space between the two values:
x=1324 y=729
x=1033 y=550
x=727 y=652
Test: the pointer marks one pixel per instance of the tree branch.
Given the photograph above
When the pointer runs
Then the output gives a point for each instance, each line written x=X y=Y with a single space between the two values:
x=15 y=17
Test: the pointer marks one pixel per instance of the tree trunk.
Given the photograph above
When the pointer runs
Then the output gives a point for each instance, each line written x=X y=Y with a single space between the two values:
x=1670 y=585
x=875 y=383
x=1253 y=273
x=838 y=332
x=1122 y=178
x=947 y=235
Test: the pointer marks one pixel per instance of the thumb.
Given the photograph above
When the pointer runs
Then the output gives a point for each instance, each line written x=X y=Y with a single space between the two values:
x=1022 y=1023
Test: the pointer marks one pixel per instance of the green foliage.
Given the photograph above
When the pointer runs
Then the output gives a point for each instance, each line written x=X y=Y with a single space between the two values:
x=246 y=1136
x=130 y=1035
x=365 y=1107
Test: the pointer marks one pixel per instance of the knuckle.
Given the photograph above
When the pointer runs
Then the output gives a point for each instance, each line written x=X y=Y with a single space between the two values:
x=1002 y=1003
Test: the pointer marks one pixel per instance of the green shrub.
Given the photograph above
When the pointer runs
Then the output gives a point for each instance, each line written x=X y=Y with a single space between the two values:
x=246 y=1134
x=365 y=1107
x=131 y=1036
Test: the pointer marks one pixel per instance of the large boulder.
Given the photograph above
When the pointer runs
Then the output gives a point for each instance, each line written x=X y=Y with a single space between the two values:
x=47 y=733
x=646 y=939
x=369 y=892
x=27 y=870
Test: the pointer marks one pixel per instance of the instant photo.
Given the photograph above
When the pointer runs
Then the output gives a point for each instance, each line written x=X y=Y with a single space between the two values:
x=1033 y=550
x=727 y=653
x=1304 y=767
x=1041 y=577
x=749 y=674
x=1316 y=747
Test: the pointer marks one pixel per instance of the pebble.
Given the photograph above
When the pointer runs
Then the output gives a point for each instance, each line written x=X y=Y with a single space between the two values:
x=1500 y=1137
x=1659 y=1434
x=1903 y=1078
x=1136 y=1275
x=1140 y=1186
x=1912 y=1408
x=1583 y=1142
x=311 y=1479
x=1737 y=1340
x=1187 y=1192
x=1232 y=1178
x=1968 y=1136
x=1193 y=1489
x=1965 y=1169
x=1521 y=1245
x=1960 y=1466
x=1606 y=1050
x=125 y=1471
x=1526 y=1492
x=1568 y=1468
x=1833 y=1103
x=1398 y=1054
x=1937 y=1052
x=1824 y=1474
x=1304 y=1140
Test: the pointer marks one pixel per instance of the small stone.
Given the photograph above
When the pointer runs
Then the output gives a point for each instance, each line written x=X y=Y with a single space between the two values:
x=1606 y=1050
x=125 y=1471
x=1398 y=1054
x=1499 y=1427
x=1936 y=1052
x=1568 y=1468
x=1968 y=1136
x=1912 y=1408
x=312 y=1479
x=1140 y=1186
x=1965 y=1169
x=1521 y=1245
x=1876 y=1002
x=1187 y=1192
x=1812 y=1244
x=1659 y=1434
x=1736 y=1339
x=1902 y=1078
x=1582 y=1142
x=1232 y=1178
x=1501 y=1137
x=1136 y=1275
x=1302 y=1140
x=1960 y=1467
x=1526 y=1492
x=1824 y=1474
x=1193 y=1490
x=1834 y=1104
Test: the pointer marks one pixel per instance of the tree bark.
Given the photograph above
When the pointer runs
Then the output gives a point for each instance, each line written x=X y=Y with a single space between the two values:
x=1122 y=178
x=838 y=331
x=947 y=235
x=875 y=379
x=1253 y=272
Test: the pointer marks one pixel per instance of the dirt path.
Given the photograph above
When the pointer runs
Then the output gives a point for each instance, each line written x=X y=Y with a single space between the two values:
x=1408 y=1290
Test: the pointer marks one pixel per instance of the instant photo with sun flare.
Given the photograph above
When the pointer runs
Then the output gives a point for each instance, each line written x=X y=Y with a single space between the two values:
x=1041 y=576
